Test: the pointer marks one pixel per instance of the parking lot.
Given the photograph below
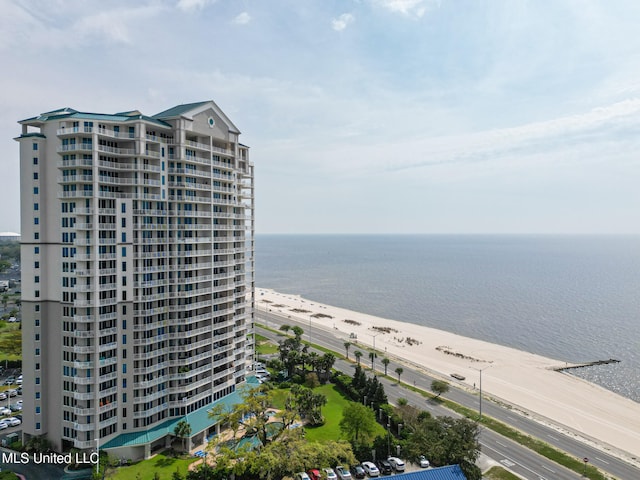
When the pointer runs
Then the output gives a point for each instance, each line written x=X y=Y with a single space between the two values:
x=10 y=402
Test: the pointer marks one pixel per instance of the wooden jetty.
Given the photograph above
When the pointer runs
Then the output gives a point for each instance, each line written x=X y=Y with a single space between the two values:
x=587 y=364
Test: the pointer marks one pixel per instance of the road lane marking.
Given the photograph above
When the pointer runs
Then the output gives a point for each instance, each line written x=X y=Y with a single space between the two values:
x=603 y=461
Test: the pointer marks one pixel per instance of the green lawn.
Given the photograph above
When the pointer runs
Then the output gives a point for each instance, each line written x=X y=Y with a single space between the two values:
x=499 y=473
x=10 y=341
x=161 y=463
x=265 y=346
x=332 y=412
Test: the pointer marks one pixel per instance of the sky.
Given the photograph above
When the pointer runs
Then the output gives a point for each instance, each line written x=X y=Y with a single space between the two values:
x=364 y=116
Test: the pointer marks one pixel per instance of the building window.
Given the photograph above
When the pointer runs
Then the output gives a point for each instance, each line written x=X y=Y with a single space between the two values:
x=37 y=322
x=36 y=190
x=124 y=237
x=36 y=265
x=37 y=352
x=36 y=221
x=36 y=279
x=35 y=160
x=123 y=208
x=37 y=293
x=36 y=236
x=37 y=425
x=37 y=366
x=35 y=146
x=124 y=312
x=124 y=251
x=124 y=266
x=124 y=368
x=124 y=281
x=124 y=342
x=36 y=206
x=37 y=380
x=36 y=250
x=37 y=337
x=37 y=395
x=35 y=175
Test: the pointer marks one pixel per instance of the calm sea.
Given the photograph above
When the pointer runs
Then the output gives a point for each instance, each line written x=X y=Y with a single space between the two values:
x=573 y=298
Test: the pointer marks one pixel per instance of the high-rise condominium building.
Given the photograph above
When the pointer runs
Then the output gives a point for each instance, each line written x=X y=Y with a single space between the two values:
x=137 y=274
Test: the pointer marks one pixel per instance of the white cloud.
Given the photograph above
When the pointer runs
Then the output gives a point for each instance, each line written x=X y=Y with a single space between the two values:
x=192 y=5
x=406 y=7
x=242 y=19
x=342 y=21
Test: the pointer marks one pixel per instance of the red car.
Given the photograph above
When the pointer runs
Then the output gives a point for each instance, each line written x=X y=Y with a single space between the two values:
x=314 y=474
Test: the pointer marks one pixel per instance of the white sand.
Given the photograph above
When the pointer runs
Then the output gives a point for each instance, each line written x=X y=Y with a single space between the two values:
x=520 y=379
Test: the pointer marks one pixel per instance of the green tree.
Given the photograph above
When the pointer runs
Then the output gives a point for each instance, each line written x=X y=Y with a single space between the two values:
x=285 y=328
x=439 y=387
x=182 y=430
x=444 y=440
x=385 y=361
x=372 y=357
x=399 y=371
x=358 y=425
x=346 y=347
x=358 y=354
x=297 y=331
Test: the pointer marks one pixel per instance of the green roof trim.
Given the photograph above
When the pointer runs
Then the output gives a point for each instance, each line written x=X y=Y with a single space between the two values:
x=32 y=134
x=107 y=117
x=179 y=110
x=199 y=421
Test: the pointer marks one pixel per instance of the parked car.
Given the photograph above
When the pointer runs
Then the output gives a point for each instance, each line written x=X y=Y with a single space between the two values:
x=385 y=467
x=5 y=411
x=12 y=393
x=358 y=472
x=3 y=425
x=330 y=474
x=424 y=463
x=343 y=473
x=396 y=463
x=314 y=474
x=371 y=469
x=13 y=421
x=15 y=407
x=3 y=396
x=302 y=476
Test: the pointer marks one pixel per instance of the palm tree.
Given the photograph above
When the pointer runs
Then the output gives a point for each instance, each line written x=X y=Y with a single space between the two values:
x=358 y=354
x=399 y=371
x=385 y=361
x=372 y=356
x=346 y=347
x=182 y=430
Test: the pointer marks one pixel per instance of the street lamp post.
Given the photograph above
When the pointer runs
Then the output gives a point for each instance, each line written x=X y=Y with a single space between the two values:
x=480 y=370
x=98 y=454
x=373 y=358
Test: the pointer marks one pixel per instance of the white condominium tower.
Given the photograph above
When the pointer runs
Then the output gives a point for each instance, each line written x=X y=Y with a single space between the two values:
x=137 y=274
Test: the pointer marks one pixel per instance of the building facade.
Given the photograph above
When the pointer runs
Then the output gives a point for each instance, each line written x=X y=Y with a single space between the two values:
x=137 y=274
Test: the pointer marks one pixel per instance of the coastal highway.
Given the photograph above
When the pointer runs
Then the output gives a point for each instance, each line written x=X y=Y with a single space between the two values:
x=522 y=461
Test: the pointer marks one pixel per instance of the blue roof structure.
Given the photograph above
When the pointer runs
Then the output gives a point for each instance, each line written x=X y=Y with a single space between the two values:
x=450 y=472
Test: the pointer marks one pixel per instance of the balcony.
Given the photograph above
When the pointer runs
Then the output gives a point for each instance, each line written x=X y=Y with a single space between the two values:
x=116 y=150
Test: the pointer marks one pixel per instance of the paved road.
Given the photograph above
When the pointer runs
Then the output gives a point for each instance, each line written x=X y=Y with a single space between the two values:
x=521 y=460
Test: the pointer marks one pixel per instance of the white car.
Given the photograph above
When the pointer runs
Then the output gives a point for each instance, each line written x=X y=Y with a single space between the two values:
x=3 y=396
x=5 y=411
x=13 y=421
x=396 y=463
x=3 y=425
x=302 y=476
x=371 y=469
x=330 y=474
x=424 y=463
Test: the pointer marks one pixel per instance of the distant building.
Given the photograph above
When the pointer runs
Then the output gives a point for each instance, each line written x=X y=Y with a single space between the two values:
x=9 y=237
x=138 y=300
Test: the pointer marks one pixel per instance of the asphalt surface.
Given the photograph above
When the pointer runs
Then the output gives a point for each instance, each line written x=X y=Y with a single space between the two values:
x=516 y=458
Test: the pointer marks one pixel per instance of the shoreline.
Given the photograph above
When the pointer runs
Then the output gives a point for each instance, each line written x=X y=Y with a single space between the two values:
x=526 y=381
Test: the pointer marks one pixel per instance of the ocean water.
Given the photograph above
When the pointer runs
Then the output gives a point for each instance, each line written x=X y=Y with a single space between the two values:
x=572 y=298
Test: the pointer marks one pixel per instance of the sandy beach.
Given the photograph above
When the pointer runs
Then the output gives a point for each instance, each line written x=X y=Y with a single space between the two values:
x=523 y=380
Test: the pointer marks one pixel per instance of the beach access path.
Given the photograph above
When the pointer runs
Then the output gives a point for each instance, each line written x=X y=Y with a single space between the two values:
x=527 y=382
